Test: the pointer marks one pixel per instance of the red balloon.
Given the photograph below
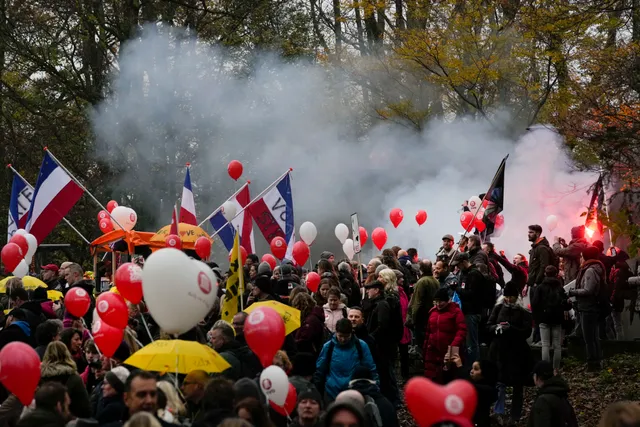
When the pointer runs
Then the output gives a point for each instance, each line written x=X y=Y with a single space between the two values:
x=77 y=301
x=289 y=404
x=278 y=247
x=379 y=237
x=111 y=205
x=112 y=308
x=20 y=370
x=203 y=247
x=270 y=259
x=485 y=203
x=421 y=217
x=363 y=236
x=313 y=281
x=103 y=215
x=22 y=242
x=128 y=280
x=105 y=225
x=11 y=256
x=301 y=252
x=466 y=219
x=235 y=169
x=499 y=220
x=264 y=333
x=431 y=404
x=396 y=217
x=243 y=255
x=173 y=241
x=479 y=225
x=106 y=337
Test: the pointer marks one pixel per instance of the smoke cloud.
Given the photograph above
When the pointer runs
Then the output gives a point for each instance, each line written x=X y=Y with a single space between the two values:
x=176 y=100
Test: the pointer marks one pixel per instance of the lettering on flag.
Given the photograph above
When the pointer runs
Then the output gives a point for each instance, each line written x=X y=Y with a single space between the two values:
x=234 y=283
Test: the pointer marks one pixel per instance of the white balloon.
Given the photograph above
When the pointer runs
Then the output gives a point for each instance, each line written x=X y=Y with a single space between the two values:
x=124 y=216
x=347 y=247
x=274 y=383
x=308 y=232
x=228 y=210
x=28 y=259
x=33 y=245
x=342 y=232
x=177 y=292
x=212 y=278
x=21 y=231
x=22 y=269
x=552 y=222
x=474 y=202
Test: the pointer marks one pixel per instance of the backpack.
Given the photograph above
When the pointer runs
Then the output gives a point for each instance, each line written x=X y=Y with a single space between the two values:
x=397 y=322
x=372 y=413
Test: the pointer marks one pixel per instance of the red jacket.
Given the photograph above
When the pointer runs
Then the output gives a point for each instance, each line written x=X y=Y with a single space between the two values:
x=444 y=328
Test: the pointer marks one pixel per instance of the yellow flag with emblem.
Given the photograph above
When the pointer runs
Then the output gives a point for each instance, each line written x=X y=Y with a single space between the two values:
x=235 y=283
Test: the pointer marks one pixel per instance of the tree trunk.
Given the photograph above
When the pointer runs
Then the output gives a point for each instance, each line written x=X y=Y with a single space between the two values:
x=361 y=46
x=337 y=27
x=400 y=22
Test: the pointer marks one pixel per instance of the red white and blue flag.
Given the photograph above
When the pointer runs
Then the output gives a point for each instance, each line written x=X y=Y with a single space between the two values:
x=188 y=205
x=243 y=222
x=273 y=213
x=54 y=196
x=19 y=205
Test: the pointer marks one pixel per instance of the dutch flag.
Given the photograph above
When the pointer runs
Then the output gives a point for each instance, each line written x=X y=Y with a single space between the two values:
x=187 y=205
x=227 y=231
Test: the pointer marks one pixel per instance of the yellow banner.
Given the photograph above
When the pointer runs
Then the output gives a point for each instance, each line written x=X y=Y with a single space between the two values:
x=235 y=283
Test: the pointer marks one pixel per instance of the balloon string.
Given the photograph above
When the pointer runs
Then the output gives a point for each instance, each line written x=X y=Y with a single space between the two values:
x=91 y=336
x=146 y=327
x=127 y=330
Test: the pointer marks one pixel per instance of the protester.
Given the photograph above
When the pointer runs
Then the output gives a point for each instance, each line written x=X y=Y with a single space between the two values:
x=309 y=408
x=111 y=407
x=17 y=329
x=540 y=256
x=72 y=338
x=334 y=310
x=47 y=332
x=571 y=253
x=217 y=403
x=446 y=251
x=310 y=337
x=551 y=407
x=52 y=407
x=483 y=376
x=244 y=363
x=367 y=387
x=251 y=410
x=50 y=276
x=422 y=299
x=193 y=387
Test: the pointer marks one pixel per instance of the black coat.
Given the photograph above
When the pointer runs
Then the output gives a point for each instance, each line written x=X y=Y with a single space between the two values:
x=244 y=363
x=551 y=407
x=14 y=332
x=539 y=259
x=377 y=314
x=42 y=418
x=487 y=395
x=110 y=409
x=542 y=302
x=509 y=349
x=470 y=290
x=385 y=407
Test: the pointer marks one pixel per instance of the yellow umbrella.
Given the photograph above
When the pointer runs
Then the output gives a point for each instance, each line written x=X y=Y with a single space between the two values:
x=54 y=295
x=290 y=315
x=188 y=233
x=177 y=356
x=29 y=283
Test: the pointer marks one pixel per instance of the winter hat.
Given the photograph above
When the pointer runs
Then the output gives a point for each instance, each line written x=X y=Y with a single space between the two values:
x=122 y=353
x=117 y=377
x=310 y=393
x=335 y=407
x=361 y=373
x=264 y=268
x=510 y=289
x=246 y=387
x=286 y=270
x=326 y=255
x=442 y=294
x=263 y=283
x=590 y=252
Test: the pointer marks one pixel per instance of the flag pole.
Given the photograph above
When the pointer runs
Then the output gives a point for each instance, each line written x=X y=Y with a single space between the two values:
x=63 y=218
x=254 y=199
x=220 y=207
x=493 y=183
x=82 y=187
x=240 y=272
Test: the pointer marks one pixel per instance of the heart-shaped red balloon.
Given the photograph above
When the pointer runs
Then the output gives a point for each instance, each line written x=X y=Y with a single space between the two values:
x=430 y=403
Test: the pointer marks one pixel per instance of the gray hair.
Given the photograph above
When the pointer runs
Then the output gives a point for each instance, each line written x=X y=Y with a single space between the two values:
x=225 y=328
x=344 y=267
x=76 y=268
x=380 y=268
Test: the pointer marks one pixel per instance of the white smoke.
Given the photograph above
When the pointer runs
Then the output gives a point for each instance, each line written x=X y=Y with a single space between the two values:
x=176 y=100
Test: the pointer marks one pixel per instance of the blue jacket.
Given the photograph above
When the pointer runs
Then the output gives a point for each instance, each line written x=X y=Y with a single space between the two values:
x=344 y=361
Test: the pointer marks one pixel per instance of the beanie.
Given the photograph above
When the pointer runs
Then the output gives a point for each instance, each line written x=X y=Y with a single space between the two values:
x=510 y=289
x=117 y=377
x=310 y=393
x=441 y=294
x=264 y=268
x=263 y=283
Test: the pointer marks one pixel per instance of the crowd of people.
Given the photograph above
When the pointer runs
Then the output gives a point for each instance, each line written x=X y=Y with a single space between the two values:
x=460 y=315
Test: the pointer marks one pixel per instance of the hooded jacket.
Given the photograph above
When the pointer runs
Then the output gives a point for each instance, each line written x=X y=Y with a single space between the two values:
x=551 y=407
x=80 y=406
x=588 y=283
x=549 y=302
x=444 y=328
x=336 y=374
x=331 y=317
x=244 y=363
x=571 y=255
x=539 y=259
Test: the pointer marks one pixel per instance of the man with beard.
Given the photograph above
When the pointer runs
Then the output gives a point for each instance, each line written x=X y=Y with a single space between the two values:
x=52 y=407
x=446 y=252
x=540 y=255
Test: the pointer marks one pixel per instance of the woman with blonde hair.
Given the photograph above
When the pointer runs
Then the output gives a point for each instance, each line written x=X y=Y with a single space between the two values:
x=388 y=277
x=175 y=409
x=57 y=365
x=143 y=419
